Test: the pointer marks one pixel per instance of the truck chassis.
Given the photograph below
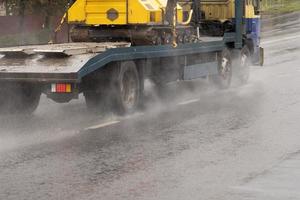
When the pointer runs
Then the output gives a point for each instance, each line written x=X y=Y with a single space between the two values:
x=94 y=69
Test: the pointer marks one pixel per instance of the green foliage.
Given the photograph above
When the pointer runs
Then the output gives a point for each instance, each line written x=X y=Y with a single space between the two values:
x=47 y=9
x=280 y=6
x=15 y=7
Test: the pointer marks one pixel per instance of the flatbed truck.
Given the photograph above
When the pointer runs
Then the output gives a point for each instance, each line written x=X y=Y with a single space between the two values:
x=114 y=72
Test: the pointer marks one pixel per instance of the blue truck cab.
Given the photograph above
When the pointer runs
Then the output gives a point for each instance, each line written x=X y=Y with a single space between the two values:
x=252 y=20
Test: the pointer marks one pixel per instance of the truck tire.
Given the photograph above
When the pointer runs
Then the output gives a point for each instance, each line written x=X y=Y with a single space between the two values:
x=126 y=94
x=223 y=79
x=93 y=101
x=242 y=68
x=97 y=89
x=19 y=99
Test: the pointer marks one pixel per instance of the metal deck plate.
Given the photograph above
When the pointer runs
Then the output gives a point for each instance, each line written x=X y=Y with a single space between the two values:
x=77 y=48
x=45 y=60
x=66 y=49
x=17 y=52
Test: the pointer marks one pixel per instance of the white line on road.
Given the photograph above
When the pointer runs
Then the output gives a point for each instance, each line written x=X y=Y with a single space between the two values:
x=102 y=125
x=188 y=102
x=135 y=115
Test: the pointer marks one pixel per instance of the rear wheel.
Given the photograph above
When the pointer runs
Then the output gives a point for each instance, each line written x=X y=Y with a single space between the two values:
x=97 y=93
x=127 y=88
x=19 y=98
x=223 y=79
x=93 y=101
x=116 y=88
x=244 y=63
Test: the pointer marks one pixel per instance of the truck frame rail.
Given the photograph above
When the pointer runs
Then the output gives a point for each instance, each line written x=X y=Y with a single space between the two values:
x=72 y=61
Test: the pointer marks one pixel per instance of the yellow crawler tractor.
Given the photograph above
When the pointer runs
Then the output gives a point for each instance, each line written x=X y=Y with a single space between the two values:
x=144 y=22
x=135 y=21
x=119 y=12
x=217 y=16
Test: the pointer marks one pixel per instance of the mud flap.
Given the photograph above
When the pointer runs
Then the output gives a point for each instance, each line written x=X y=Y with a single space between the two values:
x=261 y=56
x=258 y=57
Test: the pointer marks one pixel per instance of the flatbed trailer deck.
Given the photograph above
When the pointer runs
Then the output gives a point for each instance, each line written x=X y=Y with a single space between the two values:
x=72 y=61
x=48 y=63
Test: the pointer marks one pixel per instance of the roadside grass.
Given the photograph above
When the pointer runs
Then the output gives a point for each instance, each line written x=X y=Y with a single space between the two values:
x=280 y=6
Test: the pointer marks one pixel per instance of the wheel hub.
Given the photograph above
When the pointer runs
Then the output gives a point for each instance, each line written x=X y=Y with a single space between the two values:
x=225 y=67
x=244 y=60
x=129 y=89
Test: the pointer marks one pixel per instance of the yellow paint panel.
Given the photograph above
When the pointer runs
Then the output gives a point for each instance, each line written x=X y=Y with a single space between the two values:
x=94 y=12
x=250 y=12
x=77 y=13
x=95 y=19
x=103 y=6
x=137 y=14
x=221 y=10
x=179 y=14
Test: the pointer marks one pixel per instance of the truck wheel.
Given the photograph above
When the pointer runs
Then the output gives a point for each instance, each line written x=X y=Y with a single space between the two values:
x=92 y=100
x=243 y=68
x=223 y=79
x=19 y=99
x=127 y=93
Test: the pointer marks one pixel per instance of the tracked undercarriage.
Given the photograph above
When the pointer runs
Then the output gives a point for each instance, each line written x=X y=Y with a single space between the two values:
x=137 y=35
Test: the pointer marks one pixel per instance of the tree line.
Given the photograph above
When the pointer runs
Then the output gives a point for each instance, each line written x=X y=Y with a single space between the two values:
x=45 y=8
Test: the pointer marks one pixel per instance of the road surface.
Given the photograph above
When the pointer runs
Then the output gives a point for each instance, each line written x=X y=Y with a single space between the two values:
x=196 y=143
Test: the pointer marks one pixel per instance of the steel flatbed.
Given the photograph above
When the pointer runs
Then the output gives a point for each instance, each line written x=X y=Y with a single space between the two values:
x=72 y=61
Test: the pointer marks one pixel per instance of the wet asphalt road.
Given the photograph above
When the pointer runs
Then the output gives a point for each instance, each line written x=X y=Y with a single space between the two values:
x=197 y=143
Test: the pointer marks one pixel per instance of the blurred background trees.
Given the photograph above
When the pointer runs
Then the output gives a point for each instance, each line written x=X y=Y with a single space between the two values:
x=46 y=8
x=280 y=6
x=30 y=21
x=34 y=6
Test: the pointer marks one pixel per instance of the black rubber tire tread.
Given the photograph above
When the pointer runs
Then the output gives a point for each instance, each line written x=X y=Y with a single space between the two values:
x=218 y=79
x=243 y=72
x=19 y=99
x=119 y=104
x=93 y=101
x=97 y=98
